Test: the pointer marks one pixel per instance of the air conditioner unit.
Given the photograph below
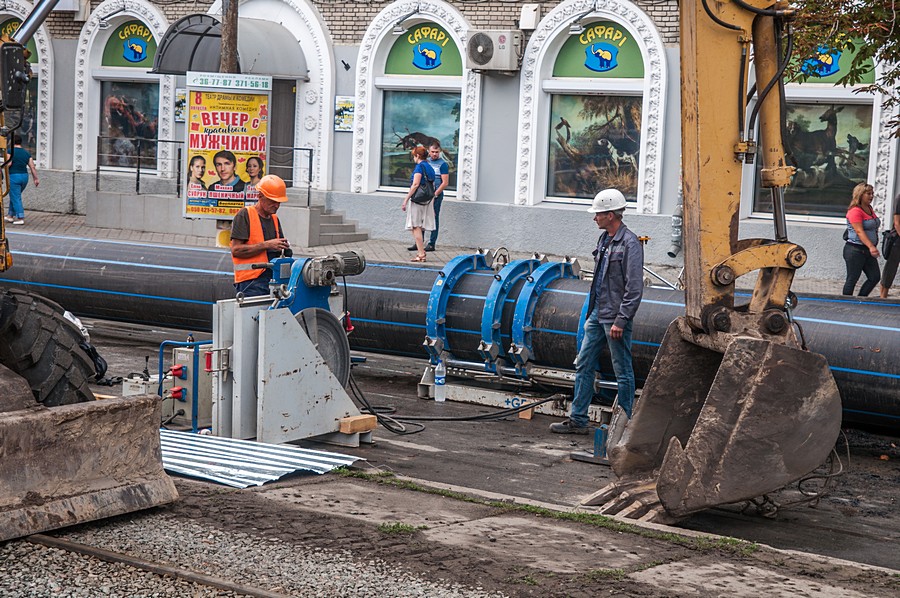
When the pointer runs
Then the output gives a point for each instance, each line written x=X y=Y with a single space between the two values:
x=494 y=50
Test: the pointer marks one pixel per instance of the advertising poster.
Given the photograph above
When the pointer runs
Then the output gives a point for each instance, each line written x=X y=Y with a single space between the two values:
x=227 y=141
x=180 y=104
x=343 y=113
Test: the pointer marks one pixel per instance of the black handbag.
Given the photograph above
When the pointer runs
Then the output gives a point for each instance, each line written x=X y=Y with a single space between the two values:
x=424 y=193
x=889 y=240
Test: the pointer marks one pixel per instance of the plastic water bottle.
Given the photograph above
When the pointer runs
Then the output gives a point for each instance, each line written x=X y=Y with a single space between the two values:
x=440 y=382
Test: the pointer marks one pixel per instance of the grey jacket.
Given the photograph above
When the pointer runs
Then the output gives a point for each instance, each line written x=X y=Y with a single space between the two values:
x=618 y=278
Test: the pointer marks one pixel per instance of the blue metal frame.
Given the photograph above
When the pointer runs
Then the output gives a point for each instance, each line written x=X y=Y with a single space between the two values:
x=436 y=313
x=520 y=349
x=299 y=295
x=491 y=347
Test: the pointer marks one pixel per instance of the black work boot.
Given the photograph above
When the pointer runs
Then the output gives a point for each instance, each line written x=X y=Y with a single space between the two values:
x=568 y=427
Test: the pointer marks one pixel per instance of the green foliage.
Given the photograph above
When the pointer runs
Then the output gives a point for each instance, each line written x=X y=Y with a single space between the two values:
x=875 y=24
x=598 y=574
x=699 y=543
x=399 y=528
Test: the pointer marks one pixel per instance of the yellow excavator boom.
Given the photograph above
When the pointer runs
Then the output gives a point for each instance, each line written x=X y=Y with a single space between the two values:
x=733 y=407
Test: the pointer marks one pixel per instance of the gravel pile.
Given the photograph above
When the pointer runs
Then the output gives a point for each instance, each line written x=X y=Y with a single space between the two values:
x=27 y=570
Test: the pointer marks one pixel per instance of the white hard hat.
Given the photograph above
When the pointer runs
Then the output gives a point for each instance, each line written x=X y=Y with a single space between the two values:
x=608 y=200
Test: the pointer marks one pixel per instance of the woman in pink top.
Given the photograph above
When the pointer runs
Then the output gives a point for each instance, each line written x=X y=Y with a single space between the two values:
x=861 y=249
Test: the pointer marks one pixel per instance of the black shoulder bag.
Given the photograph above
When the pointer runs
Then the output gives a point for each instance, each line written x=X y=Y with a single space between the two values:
x=889 y=240
x=425 y=191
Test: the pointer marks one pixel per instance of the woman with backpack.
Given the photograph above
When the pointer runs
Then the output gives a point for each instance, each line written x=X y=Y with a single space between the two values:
x=418 y=203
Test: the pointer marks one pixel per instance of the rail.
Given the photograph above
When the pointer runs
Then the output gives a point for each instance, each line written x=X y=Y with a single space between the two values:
x=159 y=164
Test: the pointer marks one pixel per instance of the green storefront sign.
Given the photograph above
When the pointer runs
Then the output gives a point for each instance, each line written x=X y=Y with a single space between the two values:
x=604 y=50
x=10 y=26
x=426 y=49
x=130 y=45
x=831 y=62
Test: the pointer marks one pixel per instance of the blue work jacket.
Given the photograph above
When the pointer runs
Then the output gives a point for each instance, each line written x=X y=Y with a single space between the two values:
x=618 y=278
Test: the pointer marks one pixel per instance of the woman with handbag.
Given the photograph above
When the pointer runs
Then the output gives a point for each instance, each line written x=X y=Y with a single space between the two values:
x=418 y=203
x=861 y=249
x=892 y=256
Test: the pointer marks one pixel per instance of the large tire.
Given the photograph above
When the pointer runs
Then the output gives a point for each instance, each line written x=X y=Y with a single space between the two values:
x=41 y=345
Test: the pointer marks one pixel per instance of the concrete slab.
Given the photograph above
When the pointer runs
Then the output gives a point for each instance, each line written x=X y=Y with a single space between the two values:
x=376 y=504
x=736 y=581
x=549 y=545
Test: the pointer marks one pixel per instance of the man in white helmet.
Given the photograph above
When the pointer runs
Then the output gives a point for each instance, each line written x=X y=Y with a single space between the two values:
x=614 y=300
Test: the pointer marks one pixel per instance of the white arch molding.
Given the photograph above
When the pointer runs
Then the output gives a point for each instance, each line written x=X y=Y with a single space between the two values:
x=537 y=65
x=87 y=89
x=365 y=141
x=44 y=139
x=315 y=98
x=882 y=170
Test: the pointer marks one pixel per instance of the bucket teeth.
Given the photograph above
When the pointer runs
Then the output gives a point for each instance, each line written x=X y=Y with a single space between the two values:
x=636 y=500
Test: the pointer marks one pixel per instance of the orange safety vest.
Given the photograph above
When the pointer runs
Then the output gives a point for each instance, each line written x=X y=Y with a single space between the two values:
x=242 y=265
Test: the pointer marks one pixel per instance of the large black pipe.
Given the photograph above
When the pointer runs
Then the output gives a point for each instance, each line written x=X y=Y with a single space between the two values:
x=176 y=287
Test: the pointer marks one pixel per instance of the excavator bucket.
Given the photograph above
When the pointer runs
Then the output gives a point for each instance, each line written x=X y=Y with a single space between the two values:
x=75 y=463
x=712 y=428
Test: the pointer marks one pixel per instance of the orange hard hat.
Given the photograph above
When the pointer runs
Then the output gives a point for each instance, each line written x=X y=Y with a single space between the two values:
x=273 y=187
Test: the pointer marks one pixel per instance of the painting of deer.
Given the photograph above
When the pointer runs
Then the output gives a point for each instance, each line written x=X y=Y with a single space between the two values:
x=814 y=147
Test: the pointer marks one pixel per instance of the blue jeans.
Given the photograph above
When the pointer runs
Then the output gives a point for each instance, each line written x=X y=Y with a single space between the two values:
x=17 y=184
x=255 y=287
x=596 y=337
x=437 y=221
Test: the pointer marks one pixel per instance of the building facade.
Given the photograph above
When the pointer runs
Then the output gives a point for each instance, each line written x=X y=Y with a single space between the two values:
x=570 y=97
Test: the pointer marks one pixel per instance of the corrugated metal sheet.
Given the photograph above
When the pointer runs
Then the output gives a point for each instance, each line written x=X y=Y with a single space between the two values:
x=241 y=463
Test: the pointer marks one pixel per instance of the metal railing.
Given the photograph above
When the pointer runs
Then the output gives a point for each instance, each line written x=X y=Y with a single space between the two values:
x=142 y=158
x=127 y=155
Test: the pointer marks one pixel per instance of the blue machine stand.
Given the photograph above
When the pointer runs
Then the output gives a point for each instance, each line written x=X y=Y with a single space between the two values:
x=598 y=457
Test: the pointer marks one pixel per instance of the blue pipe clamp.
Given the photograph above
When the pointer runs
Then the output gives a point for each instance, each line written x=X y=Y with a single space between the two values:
x=436 y=312
x=491 y=346
x=520 y=350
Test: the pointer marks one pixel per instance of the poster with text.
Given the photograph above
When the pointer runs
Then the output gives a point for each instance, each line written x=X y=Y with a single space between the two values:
x=343 y=113
x=227 y=138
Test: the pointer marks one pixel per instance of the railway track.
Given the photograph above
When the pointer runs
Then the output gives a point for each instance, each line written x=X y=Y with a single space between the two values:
x=161 y=569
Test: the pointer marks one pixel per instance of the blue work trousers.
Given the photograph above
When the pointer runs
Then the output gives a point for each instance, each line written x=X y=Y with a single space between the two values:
x=17 y=184
x=255 y=287
x=596 y=337
x=437 y=217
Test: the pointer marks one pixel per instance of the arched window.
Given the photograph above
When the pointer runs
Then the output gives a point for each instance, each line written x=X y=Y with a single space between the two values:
x=593 y=95
x=831 y=137
x=414 y=90
x=121 y=109
x=35 y=127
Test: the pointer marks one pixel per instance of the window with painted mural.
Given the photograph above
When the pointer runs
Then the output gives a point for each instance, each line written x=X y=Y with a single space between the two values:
x=129 y=110
x=128 y=124
x=594 y=144
x=595 y=138
x=829 y=145
x=411 y=119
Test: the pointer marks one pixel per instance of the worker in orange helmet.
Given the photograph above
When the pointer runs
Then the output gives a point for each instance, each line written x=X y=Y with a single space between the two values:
x=257 y=237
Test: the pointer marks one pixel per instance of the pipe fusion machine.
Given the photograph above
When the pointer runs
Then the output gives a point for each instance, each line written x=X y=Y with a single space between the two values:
x=280 y=363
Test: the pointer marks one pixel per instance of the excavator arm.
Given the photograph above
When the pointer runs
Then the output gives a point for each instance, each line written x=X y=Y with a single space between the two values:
x=733 y=407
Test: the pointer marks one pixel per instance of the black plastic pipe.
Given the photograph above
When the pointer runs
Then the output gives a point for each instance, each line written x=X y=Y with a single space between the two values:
x=177 y=287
